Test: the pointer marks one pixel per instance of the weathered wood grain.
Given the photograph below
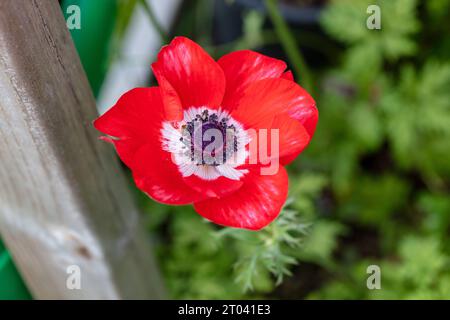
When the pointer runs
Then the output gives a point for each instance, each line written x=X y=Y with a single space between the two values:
x=63 y=198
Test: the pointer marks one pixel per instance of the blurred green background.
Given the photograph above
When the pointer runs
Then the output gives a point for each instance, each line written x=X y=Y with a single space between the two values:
x=373 y=186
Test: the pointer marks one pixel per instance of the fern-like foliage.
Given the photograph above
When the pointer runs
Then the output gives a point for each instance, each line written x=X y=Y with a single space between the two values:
x=417 y=115
x=269 y=249
x=345 y=20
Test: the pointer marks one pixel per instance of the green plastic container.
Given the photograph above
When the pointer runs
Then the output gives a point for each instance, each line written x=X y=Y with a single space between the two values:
x=94 y=37
x=11 y=284
x=92 y=41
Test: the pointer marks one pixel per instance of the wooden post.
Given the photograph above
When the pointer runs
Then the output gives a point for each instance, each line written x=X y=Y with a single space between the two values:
x=63 y=198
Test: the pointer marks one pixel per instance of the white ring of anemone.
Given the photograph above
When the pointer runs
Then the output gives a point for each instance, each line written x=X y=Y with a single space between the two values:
x=171 y=138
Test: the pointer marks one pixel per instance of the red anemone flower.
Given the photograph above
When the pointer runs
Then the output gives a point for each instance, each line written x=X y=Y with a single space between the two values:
x=153 y=131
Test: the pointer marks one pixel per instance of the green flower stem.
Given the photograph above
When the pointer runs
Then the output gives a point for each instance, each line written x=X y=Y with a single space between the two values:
x=151 y=15
x=289 y=44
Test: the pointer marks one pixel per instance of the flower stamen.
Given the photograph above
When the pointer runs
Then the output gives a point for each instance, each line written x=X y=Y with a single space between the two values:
x=207 y=139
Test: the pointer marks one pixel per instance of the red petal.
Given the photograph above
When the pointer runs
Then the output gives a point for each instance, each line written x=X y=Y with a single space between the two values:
x=191 y=72
x=217 y=188
x=288 y=75
x=136 y=121
x=293 y=138
x=126 y=149
x=308 y=115
x=266 y=98
x=135 y=118
x=241 y=68
x=257 y=203
x=173 y=109
x=156 y=175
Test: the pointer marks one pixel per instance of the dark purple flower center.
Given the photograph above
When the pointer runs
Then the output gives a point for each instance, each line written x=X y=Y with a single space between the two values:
x=212 y=141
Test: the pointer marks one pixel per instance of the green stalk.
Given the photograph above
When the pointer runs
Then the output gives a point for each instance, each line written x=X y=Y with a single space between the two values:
x=151 y=15
x=289 y=44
